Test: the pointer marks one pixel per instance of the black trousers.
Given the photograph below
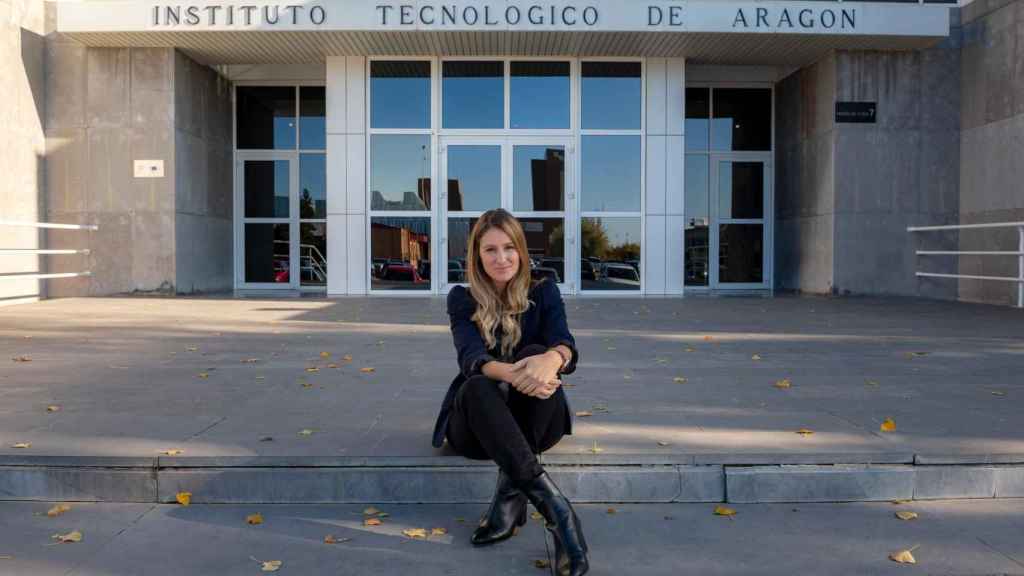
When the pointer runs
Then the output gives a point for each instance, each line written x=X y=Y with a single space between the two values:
x=484 y=425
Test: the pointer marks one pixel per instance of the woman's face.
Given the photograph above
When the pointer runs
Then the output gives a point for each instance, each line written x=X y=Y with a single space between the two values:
x=499 y=256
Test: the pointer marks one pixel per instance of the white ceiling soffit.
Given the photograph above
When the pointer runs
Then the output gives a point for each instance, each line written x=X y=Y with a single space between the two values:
x=281 y=47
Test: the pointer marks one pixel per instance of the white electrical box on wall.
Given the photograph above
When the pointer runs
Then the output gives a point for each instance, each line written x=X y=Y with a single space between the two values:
x=149 y=168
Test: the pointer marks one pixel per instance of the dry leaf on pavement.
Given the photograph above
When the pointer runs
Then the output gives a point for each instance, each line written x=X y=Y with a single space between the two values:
x=438 y=531
x=204 y=374
x=367 y=370
x=805 y=431
x=536 y=515
x=662 y=443
x=75 y=536
x=306 y=432
x=270 y=565
x=584 y=414
x=21 y=359
x=783 y=384
x=22 y=445
x=372 y=522
x=417 y=533
x=541 y=563
x=679 y=380
x=906 y=515
x=371 y=511
x=755 y=357
x=325 y=354
x=254 y=519
x=172 y=451
x=332 y=539
x=53 y=408
x=904 y=556
x=183 y=498
x=724 y=511
x=57 y=510
x=611 y=510
x=332 y=365
x=595 y=449
x=888 y=425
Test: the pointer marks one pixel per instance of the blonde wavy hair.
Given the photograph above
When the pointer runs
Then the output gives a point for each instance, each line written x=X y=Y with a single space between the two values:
x=496 y=308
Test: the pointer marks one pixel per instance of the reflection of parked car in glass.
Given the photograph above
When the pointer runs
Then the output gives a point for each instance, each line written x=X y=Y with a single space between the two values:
x=399 y=270
x=635 y=264
x=424 y=270
x=557 y=263
x=619 y=273
x=545 y=272
x=589 y=270
x=456 y=272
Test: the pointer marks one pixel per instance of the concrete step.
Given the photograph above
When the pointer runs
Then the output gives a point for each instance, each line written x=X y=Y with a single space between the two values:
x=638 y=479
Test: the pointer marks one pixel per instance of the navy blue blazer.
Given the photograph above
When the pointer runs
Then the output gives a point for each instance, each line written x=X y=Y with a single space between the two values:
x=543 y=323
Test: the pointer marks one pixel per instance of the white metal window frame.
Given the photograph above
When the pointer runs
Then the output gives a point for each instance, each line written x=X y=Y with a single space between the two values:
x=507 y=146
x=239 y=156
x=715 y=156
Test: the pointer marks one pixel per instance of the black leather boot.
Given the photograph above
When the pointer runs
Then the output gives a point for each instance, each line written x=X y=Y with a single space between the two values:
x=506 y=514
x=561 y=521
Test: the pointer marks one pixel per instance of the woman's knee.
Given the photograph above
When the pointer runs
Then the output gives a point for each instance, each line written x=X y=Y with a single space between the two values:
x=478 y=387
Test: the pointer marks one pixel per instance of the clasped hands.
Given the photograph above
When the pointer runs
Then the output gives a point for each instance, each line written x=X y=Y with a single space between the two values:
x=535 y=375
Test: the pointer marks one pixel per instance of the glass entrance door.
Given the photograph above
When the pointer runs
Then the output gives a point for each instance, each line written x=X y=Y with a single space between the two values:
x=525 y=176
x=281 y=234
x=739 y=235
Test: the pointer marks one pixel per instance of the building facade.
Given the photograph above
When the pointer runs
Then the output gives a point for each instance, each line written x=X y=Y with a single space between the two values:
x=656 y=148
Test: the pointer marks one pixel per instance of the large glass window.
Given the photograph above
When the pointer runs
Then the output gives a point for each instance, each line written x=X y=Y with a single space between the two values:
x=698 y=114
x=312 y=186
x=400 y=172
x=474 y=177
x=741 y=190
x=473 y=94
x=612 y=95
x=266 y=253
x=539 y=94
x=265 y=187
x=611 y=179
x=742 y=119
x=696 y=230
x=400 y=251
x=610 y=253
x=741 y=253
x=313 y=253
x=399 y=94
x=545 y=241
x=265 y=117
x=538 y=178
x=312 y=118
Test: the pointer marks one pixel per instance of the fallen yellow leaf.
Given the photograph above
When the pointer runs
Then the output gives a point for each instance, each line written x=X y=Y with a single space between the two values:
x=172 y=451
x=305 y=432
x=541 y=563
x=660 y=443
x=347 y=358
x=271 y=565
x=872 y=383
x=312 y=369
x=372 y=522
x=184 y=498
x=438 y=531
x=783 y=384
x=898 y=502
x=904 y=556
x=706 y=338
x=325 y=354
x=536 y=515
x=367 y=370
x=805 y=431
x=332 y=539
x=22 y=445
x=332 y=365
x=679 y=380
x=755 y=357
x=906 y=515
x=724 y=511
x=75 y=536
x=21 y=359
x=688 y=349
x=888 y=425
x=192 y=348
x=254 y=519
x=595 y=449
x=57 y=510
x=204 y=375
x=612 y=510
x=53 y=408
x=584 y=414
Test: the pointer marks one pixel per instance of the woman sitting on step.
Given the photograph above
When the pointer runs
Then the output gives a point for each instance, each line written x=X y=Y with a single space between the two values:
x=507 y=403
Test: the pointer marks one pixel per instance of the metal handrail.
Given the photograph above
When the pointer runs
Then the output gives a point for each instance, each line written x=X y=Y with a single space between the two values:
x=44 y=251
x=1019 y=253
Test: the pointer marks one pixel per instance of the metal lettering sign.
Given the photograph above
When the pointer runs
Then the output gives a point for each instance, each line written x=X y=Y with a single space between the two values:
x=725 y=16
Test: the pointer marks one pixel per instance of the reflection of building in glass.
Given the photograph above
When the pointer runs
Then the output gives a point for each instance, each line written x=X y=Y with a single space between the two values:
x=547 y=178
x=454 y=195
x=418 y=200
x=405 y=239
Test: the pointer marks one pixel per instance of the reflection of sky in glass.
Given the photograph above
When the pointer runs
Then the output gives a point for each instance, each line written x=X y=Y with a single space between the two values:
x=522 y=178
x=266 y=117
x=284 y=133
x=473 y=102
x=696 y=134
x=698 y=107
x=540 y=101
x=611 y=103
x=611 y=174
x=396 y=164
x=313 y=178
x=478 y=170
x=721 y=133
x=400 y=102
x=696 y=195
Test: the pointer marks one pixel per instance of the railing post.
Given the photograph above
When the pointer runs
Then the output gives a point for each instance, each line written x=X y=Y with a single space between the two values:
x=1020 y=267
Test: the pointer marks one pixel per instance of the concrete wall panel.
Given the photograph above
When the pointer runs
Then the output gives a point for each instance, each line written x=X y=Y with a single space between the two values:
x=355 y=94
x=358 y=262
x=655 y=175
x=674 y=254
x=337 y=174
x=655 y=71
x=654 y=254
x=337 y=255
x=337 y=94
x=675 y=177
x=675 y=96
x=355 y=153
